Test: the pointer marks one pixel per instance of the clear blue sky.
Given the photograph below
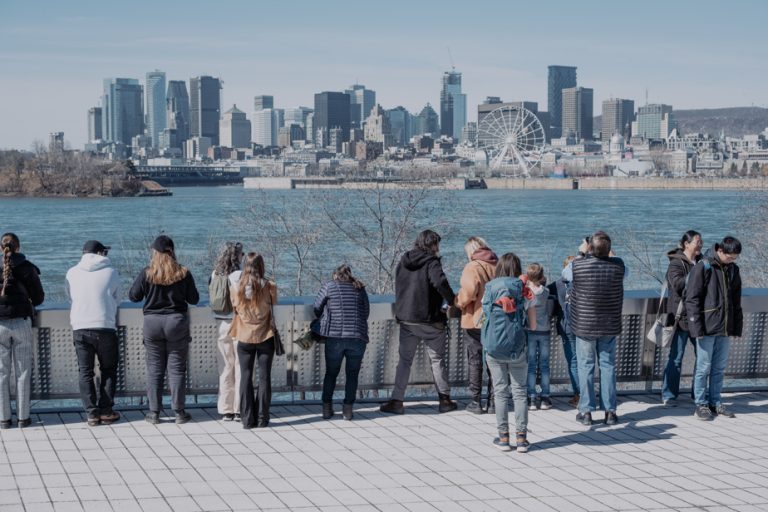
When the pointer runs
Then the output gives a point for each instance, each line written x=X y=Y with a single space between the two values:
x=691 y=54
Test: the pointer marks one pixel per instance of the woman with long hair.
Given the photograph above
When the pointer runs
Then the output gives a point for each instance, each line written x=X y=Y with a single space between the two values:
x=477 y=272
x=227 y=263
x=20 y=292
x=343 y=308
x=167 y=289
x=253 y=298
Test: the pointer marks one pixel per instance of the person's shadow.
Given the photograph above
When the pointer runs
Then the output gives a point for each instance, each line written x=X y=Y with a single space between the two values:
x=628 y=432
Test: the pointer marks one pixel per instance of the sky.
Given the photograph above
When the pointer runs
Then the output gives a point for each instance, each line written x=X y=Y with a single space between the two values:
x=691 y=54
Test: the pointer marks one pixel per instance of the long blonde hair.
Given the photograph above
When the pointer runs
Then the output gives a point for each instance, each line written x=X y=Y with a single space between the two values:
x=164 y=270
x=474 y=243
x=253 y=277
x=9 y=244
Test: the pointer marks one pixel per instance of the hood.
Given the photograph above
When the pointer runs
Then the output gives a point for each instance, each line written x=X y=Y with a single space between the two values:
x=678 y=254
x=537 y=289
x=93 y=262
x=16 y=259
x=416 y=258
x=711 y=255
x=486 y=255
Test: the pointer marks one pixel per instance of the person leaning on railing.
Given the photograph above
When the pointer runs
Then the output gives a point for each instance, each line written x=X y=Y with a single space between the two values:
x=166 y=287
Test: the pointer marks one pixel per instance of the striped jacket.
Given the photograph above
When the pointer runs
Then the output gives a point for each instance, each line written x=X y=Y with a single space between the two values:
x=343 y=311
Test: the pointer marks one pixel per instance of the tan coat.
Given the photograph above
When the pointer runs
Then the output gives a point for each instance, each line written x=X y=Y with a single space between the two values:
x=469 y=299
x=252 y=322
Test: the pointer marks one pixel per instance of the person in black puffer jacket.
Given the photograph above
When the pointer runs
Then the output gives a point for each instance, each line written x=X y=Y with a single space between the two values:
x=713 y=306
x=421 y=290
x=343 y=308
x=681 y=261
x=20 y=292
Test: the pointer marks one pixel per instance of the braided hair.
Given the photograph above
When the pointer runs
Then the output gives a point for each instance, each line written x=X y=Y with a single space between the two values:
x=9 y=244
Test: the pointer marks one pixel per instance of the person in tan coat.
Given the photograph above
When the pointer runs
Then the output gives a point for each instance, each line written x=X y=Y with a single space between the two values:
x=480 y=269
x=252 y=299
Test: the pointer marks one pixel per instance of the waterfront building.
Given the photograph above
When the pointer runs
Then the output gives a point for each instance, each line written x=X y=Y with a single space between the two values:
x=332 y=111
x=56 y=142
x=177 y=114
x=205 y=107
x=617 y=118
x=377 y=127
x=122 y=110
x=361 y=102
x=453 y=106
x=559 y=78
x=265 y=127
x=577 y=112
x=654 y=121
x=400 y=125
x=262 y=102
x=426 y=122
x=94 y=124
x=196 y=148
x=235 y=129
x=289 y=134
x=156 y=117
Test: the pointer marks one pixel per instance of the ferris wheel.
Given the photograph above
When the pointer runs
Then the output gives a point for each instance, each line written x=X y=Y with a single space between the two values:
x=512 y=137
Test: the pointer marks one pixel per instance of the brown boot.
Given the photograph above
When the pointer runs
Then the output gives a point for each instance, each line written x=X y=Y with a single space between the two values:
x=446 y=404
x=393 y=407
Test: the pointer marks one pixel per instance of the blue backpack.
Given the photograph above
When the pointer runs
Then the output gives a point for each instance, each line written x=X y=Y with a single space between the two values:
x=503 y=333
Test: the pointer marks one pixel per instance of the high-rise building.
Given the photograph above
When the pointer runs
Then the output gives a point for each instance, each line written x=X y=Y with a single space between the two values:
x=654 y=121
x=426 y=122
x=469 y=133
x=297 y=116
x=56 y=142
x=235 y=129
x=453 y=106
x=264 y=127
x=577 y=113
x=289 y=134
x=487 y=107
x=377 y=127
x=560 y=77
x=400 y=124
x=361 y=102
x=177 y=115
x=122 y=110
x=156 y=118
x=617 y=118
x=205 y=107
x=332 y=111
x=262 y=102
x=94 y=124
x=309 y=126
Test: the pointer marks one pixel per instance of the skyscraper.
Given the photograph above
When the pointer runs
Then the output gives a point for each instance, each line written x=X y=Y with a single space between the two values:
x=265 y=127
x=94 y=124
x=617 y=117
x=262 y=102
x=426 y=122
x=377 y=127
x=235 y=129
x=453 y=106
x=654 y=121
x=361 y=102
x=560 y=77
x=155 y=89
x=177 y=115
x=205 y=107
x=332 y=111
x=122 y=110
x=297 y=116
x=577 y=112
x=400 y=121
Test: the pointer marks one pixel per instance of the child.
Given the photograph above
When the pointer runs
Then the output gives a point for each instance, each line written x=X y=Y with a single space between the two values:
x=539 y=311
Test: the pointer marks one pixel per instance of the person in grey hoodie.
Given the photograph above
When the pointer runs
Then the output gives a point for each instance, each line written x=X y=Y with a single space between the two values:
x=93 y=287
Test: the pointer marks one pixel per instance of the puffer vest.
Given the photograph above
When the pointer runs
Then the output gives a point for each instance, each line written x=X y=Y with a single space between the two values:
x=597 y=296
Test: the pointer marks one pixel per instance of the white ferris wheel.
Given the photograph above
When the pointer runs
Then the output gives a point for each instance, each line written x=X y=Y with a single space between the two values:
x=513 y=138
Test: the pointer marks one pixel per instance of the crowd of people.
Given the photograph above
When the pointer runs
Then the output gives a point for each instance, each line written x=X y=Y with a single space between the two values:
x=505 y=312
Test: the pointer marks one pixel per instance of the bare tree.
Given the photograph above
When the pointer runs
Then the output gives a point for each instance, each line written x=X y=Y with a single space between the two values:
x=753 y=222
x=641 y=249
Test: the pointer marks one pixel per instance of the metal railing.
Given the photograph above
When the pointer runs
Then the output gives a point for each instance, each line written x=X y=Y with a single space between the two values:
x=298 y=375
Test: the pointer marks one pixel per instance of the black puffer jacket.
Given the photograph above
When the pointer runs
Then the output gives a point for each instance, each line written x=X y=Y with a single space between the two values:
x=597 y=296
x=420 y=288
x=343 y=311
x=24 y=290
x=679 y=267
x=713 y=298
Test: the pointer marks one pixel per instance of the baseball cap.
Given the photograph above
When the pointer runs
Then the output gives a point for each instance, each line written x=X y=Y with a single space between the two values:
x=163 y=244
x=94 y=246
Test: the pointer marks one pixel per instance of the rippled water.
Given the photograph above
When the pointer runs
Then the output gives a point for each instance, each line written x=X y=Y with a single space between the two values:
x=539 y=225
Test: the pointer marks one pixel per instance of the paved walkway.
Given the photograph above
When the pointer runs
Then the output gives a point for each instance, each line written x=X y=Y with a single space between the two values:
x=656 y=459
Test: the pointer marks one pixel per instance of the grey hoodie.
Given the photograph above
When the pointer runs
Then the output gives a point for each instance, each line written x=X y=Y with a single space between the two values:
x=93 y=286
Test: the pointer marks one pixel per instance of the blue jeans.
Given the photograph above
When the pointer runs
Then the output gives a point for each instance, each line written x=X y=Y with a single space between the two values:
x=711 y=360
x=336 y=349
x=506 y=374
x=538 y=352
x=587 y=350
x=671 y=386
x=569 y=350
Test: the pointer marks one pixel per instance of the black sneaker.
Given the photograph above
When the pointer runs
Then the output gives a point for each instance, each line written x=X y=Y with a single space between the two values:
x=25 y=423
x=182 y=417
x=393 y=407
x=611 y=418
x=546 y=403
x=584 y=418
x=474 y=407
x=93 y=419
x=228 y=417
x=152 y=417
x=5 y=424
x=703 y=413
x=721 y=410
x=532 y=404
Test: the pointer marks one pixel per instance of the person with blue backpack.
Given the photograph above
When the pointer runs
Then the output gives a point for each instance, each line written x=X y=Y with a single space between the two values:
x=503 y=338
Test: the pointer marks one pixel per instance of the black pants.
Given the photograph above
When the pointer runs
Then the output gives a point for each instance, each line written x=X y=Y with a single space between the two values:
x=475 y=364
x=89 y=345
x=254 y=405
x=166 y=342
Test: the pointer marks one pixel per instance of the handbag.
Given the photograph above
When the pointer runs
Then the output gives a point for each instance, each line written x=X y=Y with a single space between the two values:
x=660 y=334
x=279 y=347
x=309 y=336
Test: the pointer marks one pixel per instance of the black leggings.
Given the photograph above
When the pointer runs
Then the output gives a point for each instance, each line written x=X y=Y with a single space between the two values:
x=254 y=405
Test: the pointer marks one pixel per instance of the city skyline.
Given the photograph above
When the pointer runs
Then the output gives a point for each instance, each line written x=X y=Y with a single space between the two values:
x=396 y=54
